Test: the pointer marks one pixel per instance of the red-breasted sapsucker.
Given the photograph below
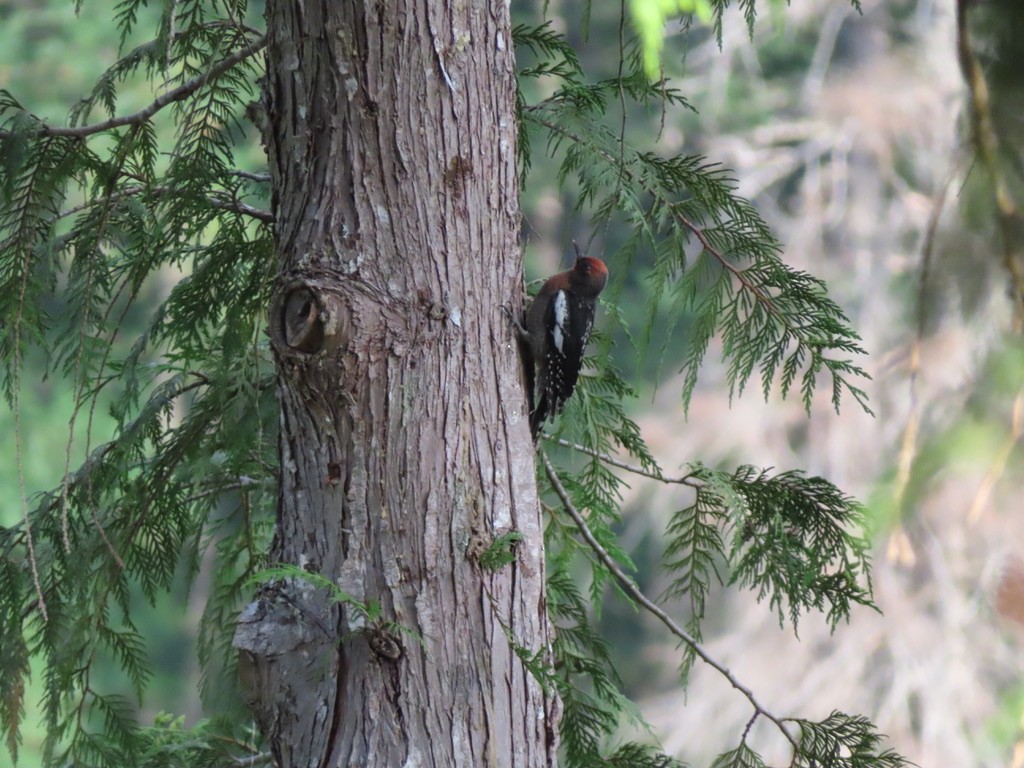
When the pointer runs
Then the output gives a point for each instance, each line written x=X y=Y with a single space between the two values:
x=555 y=335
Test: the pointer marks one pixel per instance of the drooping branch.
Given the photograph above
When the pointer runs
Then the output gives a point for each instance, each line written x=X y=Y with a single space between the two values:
x=180 y=93
x=629 y=587
x=169 y=391
x=696 y=230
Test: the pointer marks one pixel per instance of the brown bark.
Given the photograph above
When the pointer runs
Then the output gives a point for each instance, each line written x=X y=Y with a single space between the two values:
x=404 y=445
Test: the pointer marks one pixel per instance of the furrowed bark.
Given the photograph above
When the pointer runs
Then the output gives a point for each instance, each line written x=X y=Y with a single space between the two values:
x=404 y=443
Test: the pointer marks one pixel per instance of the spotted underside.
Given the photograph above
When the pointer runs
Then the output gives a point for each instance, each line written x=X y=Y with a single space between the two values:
x=568 y=321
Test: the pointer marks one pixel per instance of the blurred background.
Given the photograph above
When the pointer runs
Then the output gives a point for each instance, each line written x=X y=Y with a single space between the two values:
x=849 y=132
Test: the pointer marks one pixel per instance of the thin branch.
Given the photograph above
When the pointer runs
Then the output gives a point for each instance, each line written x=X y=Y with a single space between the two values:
x=79 y=389
x=627 y=586
x=218 y=200
x=80 y=380
x=986 y=142
x=260 y=178
x=622 y=125
x=108 y=347
x=19 y=459
x=908 y=444
x=106 y=539
x=183 y=91
x=242 y=482
x=654 y=475
x=823 y=52
x=698 y=232
x=237 y=206
x=19 y=456
x=750 y=724
x=96 y=458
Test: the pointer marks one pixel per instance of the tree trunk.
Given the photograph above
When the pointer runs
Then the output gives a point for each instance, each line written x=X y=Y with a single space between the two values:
x=404 y=446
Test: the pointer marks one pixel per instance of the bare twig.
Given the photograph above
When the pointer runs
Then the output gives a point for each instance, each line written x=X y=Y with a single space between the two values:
x=908 y=444
x=653 y=474
x=242 y=482
x=1002 y=458
x=263 y=758
x=19 y=460
x=183 y=91
x=750 y=724
x=233 y=204
x=260 y=178
x=627 y=586
x=622 y=124
x=823 y=51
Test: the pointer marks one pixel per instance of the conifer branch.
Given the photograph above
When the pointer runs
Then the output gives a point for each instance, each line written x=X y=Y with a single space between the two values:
x=736 y=272
x=80 y=381
x=772 y=320
x=180 y=93
x=19 y=452
x=92 y=406
x=27 y=253
x=171 y=391
x=218 y=200
x=627 y=586
x=696 y=230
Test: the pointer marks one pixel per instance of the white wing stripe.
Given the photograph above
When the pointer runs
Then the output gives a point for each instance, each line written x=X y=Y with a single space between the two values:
x=561 y=316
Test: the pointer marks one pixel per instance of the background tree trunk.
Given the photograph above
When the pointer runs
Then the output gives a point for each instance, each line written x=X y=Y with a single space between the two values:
x=404 y=447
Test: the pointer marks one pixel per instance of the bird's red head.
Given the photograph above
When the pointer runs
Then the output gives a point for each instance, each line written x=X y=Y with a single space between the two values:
x=589 y=275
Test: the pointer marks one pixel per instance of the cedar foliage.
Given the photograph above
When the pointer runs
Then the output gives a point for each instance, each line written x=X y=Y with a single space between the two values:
x=94 y=213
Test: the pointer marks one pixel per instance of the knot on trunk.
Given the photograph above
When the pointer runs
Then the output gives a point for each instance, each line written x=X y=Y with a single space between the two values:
x=306 y=318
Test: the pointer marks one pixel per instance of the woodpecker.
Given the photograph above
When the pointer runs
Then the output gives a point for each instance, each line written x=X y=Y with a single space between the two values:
x=555 y=335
